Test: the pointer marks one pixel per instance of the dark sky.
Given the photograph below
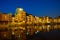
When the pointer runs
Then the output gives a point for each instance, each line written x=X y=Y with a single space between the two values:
x=35 y=7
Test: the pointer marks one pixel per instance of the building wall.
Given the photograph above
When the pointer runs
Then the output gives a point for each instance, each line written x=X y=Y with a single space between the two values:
x=30 y=19
x=5 y=17
x=20 y=15
x=0 y=16
x=37 y=19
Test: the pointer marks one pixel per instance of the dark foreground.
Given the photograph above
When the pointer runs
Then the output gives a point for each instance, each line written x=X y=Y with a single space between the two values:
x=52 y=35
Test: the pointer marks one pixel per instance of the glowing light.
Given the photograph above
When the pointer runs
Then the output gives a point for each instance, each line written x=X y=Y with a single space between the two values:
x=16 y=27
x=19 y=35
x=48 y=25
x=43 y=26
x=27 y=33
x=21 y=9
x=4 y=35
x=13 y=33
x=36 y=32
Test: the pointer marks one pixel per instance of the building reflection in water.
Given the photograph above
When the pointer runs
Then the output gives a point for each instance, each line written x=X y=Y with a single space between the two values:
x=18 y=33
x=19 y=25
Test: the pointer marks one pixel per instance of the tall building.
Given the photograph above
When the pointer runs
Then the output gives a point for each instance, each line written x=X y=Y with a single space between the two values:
x=20 y=15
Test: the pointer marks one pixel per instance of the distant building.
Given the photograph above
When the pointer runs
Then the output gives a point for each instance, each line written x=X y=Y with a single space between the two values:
x=58 y=18
x=30 y=19
x=5 y=18
x=20 y=16
x=0 y=16
x=37 y=19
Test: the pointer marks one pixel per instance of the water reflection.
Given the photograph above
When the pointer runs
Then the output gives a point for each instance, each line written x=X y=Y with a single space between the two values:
x=18 y=33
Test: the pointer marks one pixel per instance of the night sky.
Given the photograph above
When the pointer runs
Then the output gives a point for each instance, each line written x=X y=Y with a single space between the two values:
x=35 y=7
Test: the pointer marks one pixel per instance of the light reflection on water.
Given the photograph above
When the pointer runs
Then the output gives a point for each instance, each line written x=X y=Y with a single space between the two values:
x=36 y=30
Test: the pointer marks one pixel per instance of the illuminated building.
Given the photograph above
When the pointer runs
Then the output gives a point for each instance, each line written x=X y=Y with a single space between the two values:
x=36 y=20
x=40 y=19
x=30 y=23
x=0 y=16
x=55 y=20
x=21 y=24
x=13 y=20
x=5 y=19
x=58 y=19
x=50 y=19
x=47 y=19
x=20 y=16
x=30 y=19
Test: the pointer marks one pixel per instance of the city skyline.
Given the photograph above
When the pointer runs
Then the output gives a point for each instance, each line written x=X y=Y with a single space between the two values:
x=21 y=25
x=36 y=8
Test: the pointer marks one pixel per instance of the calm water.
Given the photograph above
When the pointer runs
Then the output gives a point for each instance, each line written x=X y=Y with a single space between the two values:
x=52 y=35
